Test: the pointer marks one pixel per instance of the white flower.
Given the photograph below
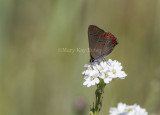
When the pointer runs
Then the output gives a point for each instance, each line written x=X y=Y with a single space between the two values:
x=115 y=69
x=120 y=110
x=124 y=109
x=103 y=68
x=91 y=76
x=137 y=110
x=106 y=70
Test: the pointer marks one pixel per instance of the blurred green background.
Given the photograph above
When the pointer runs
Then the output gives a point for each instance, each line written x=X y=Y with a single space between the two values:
x=36 y=78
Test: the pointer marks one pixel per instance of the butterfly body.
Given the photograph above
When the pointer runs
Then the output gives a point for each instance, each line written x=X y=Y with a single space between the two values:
x=101 y=43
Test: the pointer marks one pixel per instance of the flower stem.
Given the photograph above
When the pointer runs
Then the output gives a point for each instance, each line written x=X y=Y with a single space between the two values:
x=95 y=113
x=98 y=104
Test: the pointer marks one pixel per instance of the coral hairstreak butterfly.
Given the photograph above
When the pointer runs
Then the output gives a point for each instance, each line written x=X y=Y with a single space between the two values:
x=101 y=43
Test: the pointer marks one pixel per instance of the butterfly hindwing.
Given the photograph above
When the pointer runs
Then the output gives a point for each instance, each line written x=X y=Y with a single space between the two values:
x=110 y=43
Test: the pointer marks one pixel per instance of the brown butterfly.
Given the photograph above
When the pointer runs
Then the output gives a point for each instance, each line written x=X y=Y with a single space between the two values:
x=101 y=43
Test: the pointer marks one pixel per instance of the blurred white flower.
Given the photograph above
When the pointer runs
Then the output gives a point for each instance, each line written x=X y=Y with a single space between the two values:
x=124 y=109
x=120 y=110
x=106 y=70
x=137 y=110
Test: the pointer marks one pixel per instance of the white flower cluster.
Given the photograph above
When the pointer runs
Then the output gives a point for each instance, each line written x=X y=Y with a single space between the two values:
x=124 y=109
x=106 y=70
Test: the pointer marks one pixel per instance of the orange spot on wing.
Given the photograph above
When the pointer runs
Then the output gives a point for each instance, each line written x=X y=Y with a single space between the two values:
x=105 y=35
x=112 y=37
x=114 y=42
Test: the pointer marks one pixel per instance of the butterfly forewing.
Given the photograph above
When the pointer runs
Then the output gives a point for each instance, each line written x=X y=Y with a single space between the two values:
x=94 y=34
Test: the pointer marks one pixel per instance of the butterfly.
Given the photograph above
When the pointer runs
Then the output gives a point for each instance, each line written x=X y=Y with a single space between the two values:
x=101 y=43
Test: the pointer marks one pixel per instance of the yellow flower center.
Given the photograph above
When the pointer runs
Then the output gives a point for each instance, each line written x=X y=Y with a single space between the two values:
x=106 y=75
x=114 y=71
x=92 y=78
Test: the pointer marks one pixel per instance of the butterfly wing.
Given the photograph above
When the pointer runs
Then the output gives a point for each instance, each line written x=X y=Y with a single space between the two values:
x=101 y=43
x=94 y=36
x=109 y=44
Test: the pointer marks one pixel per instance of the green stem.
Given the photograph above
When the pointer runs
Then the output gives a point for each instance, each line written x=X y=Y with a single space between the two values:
x=99 y=91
